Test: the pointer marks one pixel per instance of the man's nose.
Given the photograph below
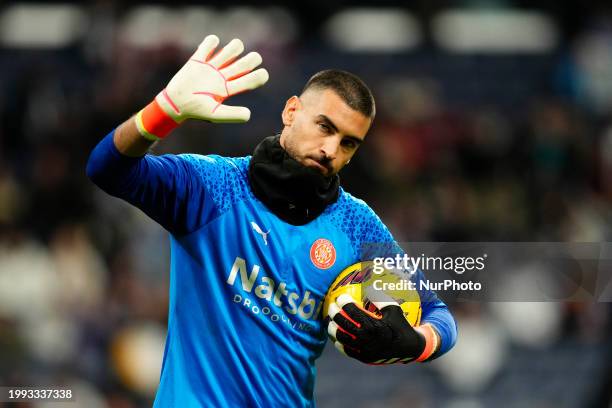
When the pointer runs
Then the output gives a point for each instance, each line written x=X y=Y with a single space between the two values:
x=330 y=147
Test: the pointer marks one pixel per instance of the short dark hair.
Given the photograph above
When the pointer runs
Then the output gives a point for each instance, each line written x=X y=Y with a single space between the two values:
x=348 y=86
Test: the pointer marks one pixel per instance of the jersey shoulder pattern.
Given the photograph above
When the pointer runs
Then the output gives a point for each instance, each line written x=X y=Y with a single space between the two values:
x=368 y=234
x=224 y=178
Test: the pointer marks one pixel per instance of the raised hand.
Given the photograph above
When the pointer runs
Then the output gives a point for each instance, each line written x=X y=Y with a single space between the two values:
x=200 y=87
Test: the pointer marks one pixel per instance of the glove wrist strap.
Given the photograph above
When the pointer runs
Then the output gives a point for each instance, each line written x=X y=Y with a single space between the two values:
x=153 y=122
x=431 y=341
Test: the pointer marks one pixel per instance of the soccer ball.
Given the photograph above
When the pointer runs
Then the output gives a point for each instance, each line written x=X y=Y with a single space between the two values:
x=364 y=285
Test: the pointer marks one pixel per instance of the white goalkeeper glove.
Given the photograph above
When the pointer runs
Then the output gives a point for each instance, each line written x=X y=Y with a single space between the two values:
x=200 y=87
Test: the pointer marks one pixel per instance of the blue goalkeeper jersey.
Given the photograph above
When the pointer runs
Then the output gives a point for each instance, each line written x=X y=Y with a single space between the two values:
x=246 y=288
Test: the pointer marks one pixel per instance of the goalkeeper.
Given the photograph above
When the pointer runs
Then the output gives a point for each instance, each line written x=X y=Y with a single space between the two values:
x=256 y=241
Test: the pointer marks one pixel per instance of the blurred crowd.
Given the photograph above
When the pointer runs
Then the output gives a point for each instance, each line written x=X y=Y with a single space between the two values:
x=464 y=148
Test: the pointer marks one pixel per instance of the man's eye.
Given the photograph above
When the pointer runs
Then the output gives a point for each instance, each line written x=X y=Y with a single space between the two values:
x=349 y=144
x=324 y=127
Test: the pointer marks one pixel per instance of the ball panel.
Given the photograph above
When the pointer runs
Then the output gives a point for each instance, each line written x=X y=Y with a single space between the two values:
x=359 y=281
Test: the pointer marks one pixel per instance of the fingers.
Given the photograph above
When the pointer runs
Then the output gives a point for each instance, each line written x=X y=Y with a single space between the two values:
x=227 y=54
x=357 y=313
x=340 y=347
x=206 y=48
x=332 y=329
x=244 y=65
x=395 y=315
x=379 y=298
x=381 y=305
x=347 y=350
x=338 y=333
x=344 y=299
x=247 y=82
x=231 y=114
x=342 y=318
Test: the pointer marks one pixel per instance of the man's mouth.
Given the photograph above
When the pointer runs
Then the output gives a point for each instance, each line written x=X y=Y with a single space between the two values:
x=315 y=164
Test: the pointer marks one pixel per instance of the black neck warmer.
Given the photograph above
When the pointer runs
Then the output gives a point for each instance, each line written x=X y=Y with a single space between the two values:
x=295 y=193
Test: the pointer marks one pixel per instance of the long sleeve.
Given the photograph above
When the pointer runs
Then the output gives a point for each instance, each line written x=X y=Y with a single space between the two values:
x=167 y=188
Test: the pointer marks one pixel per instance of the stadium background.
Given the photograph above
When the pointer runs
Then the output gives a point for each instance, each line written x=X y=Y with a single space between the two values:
x=493 y=124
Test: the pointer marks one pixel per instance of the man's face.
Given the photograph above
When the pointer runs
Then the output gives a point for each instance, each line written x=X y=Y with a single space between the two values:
x=321 y=131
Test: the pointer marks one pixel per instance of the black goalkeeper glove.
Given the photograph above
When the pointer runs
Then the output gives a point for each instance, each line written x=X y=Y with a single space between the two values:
x=374 y=339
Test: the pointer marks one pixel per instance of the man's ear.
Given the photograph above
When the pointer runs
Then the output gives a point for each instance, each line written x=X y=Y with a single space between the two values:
x=291 y=106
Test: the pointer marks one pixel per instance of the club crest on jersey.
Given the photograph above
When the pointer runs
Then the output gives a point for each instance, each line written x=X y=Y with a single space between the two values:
x=323 y=253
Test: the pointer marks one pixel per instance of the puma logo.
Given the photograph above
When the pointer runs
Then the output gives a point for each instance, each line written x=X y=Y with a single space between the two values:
x=258 y=230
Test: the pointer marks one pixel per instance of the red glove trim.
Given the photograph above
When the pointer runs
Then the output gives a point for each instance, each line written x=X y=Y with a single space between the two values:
x=431 y=341
x=153 y=121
